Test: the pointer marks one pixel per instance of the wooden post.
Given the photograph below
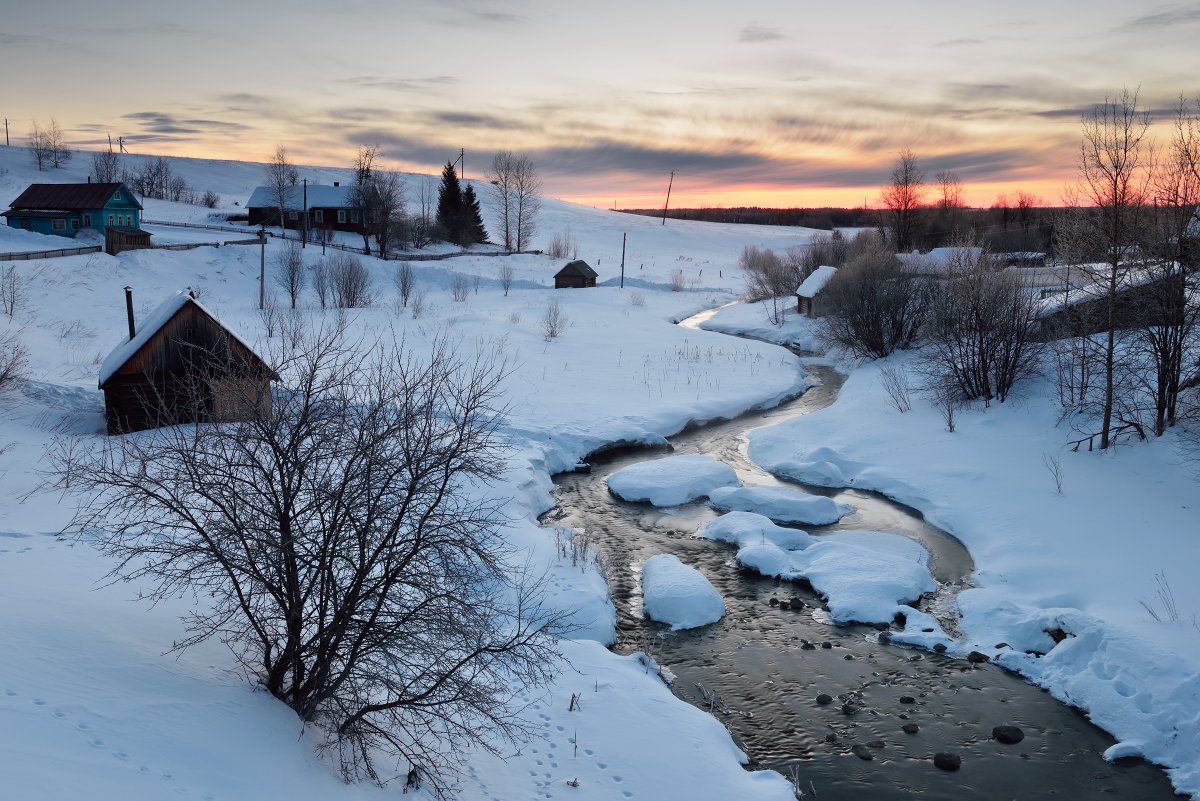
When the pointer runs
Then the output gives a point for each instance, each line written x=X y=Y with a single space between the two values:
x=304 y=241
x=623 y=261
x=668 y=201
x=262 y=268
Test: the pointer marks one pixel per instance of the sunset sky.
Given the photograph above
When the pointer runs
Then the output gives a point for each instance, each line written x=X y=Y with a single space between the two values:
x=759 y=102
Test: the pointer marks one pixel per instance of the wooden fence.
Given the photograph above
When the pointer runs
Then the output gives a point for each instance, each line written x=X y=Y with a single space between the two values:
x=50 y=254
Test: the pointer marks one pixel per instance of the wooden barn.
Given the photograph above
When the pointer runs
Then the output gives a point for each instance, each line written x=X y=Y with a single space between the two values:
x=577 y=274
x=182 y=366
x=808 y=295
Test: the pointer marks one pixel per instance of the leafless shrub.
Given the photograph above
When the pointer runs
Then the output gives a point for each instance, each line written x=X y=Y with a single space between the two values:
x=637 y=299
x=270 y=314
x=418 y=305
x=322 y=281
x=350 y=283
x=460 y=287
x=514 y=318
x=506 y=277
x=895 y=384
x=404 y=281
x=341 y=549
x=554 y=320
x=1163 y=608
x=945 y=396
x=874 y=307
x=289 y=274
x=210 y=199
x=13 y=358
x=1054 y=467
x=562 y=245
x=678 y=282
x=12 y=290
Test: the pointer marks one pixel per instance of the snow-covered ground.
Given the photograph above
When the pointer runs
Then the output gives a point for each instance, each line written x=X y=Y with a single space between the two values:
x=781 y=504
x=91 y=702
x=91 y=705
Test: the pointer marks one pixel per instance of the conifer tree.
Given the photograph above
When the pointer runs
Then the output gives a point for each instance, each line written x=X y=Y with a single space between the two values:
x=450 y=214
x=474 y=232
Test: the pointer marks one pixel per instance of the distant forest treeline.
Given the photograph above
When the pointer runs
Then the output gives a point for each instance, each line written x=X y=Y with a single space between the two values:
x=1004 y=228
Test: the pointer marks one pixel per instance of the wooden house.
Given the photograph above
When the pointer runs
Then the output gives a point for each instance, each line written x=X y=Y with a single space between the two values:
x=577 y=274
x=119 y=238
x=67 y=209
x=182 y=366
x=808 y=294
x=326 y=207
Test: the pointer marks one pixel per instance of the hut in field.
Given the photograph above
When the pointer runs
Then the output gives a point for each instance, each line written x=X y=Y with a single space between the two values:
x=182 y=366
x=808 y=294
x=577 y=274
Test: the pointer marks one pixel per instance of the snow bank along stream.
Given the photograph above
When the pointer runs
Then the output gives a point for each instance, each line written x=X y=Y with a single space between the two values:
x=834 y=701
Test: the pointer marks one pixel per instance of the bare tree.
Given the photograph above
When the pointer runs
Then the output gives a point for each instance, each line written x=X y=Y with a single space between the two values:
x=515 y=187
x=460 y=287
x=421 y=223
x=281 y=176
x=349 y=283
x=902 y=199
x=38 y=146
x=12 y=290
x=1111 y=207
x=340 y=546
x=290 y=275
x=404 y=280
x=60 y=152
x=322 y=281
x=506 y=277
x=106 y=166
x=379 y=196
x=949 y=204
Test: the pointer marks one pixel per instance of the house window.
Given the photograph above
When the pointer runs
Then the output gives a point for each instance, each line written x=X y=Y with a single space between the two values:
x=319 y=215
x=60 y=225
x=341 y=215
x=110 y=219
x=354 y=215
x=87 y=221
x=293 y=215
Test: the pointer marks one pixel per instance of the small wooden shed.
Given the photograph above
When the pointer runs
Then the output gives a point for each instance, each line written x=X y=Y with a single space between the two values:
x=119 y=238
x=808 y=301
x=182 y=366
x=577 y=274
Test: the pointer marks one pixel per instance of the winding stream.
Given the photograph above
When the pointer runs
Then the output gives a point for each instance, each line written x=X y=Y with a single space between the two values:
x=758 y=671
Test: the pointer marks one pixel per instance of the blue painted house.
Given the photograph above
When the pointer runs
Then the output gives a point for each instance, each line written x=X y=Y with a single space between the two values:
x=66 y=209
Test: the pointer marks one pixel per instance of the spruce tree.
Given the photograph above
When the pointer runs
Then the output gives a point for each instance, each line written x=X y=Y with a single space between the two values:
x=474 y=232
x=450 y=206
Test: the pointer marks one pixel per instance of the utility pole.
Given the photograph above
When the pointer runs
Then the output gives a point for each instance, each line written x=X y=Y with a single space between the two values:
x=304 y=241
x=668 y=201
x=121 y=143
x=6 y=144
x=462 y=164
x=623 y=261
x=262 y=268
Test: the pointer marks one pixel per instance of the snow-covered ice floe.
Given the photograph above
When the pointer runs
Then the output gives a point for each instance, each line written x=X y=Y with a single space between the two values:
x=781 y=504
x=865 y=576
x=673 y=480
x=679 y=595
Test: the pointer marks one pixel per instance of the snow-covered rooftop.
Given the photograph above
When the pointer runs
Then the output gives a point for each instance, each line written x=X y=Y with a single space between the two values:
x=319 y=196
x=816 y=281
x=150 y=326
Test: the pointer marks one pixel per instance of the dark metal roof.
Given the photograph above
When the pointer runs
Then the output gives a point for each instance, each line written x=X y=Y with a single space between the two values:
x=578 y=267
x=38 y=214
x=68 y=196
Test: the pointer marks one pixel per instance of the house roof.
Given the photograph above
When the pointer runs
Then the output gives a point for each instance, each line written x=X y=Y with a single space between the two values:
x=151 y=326
x=129 y=230
x=320 y=196
x=577 y=267
x=69 y=197
x=816 y=281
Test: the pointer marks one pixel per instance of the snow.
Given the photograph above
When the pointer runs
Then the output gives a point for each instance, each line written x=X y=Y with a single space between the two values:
x=816 y=281
x=1084 y=561
x=671 y=481
x=679 y=595
x=781 y=504
x=865 y=576
x=138 y=723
